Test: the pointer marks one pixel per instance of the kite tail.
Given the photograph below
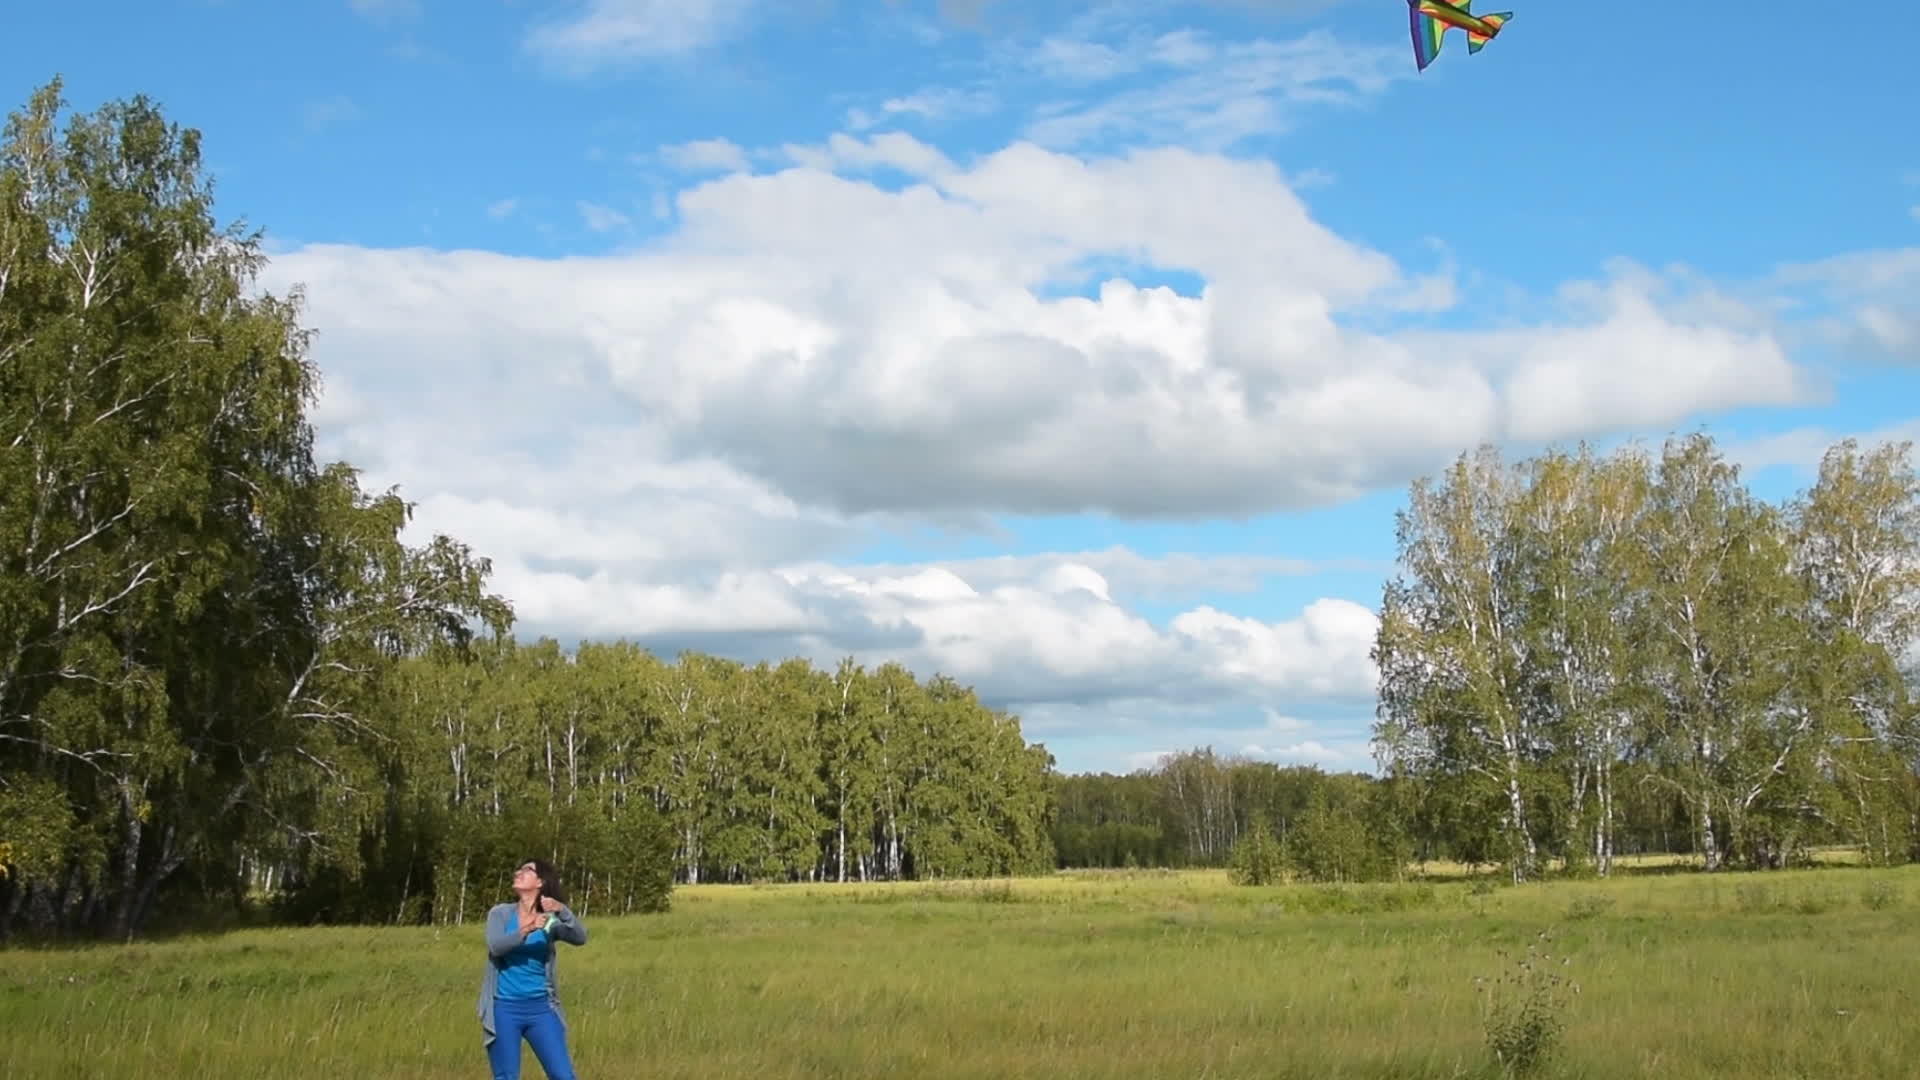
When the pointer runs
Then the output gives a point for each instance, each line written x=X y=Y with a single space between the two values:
x=1476 y=42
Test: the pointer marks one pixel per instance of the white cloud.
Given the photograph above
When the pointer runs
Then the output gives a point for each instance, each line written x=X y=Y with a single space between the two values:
x=610 y=32
x=337 y=405
x=1180 y=49
x=683 y=443
x=886 y=350
x=1309 y=751
x=1321 y=654
x=607 y=33
x=930 y=103
x=1146 y=759
x=1129 y=574
x=1078 y=61
x=969 y=11
x=892 y=150
x=1803 y=447
x=1057 y=635
x=1280 y=740
x=707 y=155
x=502 y=209
x=1282 y=724
x=1597 y=377
x=602 y=218
x=1103 y=43
x=1877 y=297
x=1110 y=76
x=1350 y=756
x=1213 y=95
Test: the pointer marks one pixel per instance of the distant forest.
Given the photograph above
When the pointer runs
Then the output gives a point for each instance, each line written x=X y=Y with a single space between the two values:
x=1593 y=654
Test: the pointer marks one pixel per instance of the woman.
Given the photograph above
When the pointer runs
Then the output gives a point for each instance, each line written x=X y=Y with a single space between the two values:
x=518 y=995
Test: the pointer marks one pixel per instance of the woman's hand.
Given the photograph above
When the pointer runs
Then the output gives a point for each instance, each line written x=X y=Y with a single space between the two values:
x=531 y=921
x=549 y=904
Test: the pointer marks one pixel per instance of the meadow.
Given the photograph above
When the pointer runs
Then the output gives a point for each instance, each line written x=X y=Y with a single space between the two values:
x=1090 y=974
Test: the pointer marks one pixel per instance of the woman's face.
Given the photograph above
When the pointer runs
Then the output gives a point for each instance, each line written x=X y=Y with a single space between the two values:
x=526 y=877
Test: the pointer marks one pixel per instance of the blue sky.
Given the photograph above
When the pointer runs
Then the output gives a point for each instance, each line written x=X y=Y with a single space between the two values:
x=792 y=329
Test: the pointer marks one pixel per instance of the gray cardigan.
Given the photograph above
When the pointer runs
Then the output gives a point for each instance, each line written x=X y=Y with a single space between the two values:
x=503 y=935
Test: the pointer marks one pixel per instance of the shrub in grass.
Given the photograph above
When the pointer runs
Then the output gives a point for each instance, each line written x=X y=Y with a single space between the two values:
x=1256 y=859
x=1524 y=1008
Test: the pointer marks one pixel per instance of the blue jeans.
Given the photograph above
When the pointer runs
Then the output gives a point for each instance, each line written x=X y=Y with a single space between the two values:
x=540 y=1025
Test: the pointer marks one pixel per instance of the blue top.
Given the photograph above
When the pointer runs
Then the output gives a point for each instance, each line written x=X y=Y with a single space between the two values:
x=503 y=938
x=523 y=971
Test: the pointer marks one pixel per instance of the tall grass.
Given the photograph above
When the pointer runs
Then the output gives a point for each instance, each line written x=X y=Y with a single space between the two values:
x=1121 y=974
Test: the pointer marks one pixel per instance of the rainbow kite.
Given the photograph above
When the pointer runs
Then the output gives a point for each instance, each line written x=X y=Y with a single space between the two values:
x=1431 y=18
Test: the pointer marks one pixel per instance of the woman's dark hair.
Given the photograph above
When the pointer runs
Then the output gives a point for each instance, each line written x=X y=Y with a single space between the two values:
x=549 y=879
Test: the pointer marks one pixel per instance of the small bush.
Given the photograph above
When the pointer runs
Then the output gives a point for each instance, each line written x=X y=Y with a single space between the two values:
x=1524 y=1007
x=947 y=892
x=975 y=892
x=1578 y=865
x=1359 y=899
x=1812 y=902
x=1256 y=857
x=1586 y=907
x=1755 y=899
x=999 y=892
x=1355 y=839
x=1880 y=895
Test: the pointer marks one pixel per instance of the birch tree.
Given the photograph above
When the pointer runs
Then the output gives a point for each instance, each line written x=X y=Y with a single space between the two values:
x=1725 y=644
x=1577 y=568
x=150 y=421
x=1856 y=546
x=1451 y=649
x=194 y=612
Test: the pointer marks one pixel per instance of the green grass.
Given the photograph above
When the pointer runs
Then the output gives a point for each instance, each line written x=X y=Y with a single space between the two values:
x=1144 y=974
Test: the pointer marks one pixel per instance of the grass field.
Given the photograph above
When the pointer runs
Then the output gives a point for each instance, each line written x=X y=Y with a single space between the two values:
x=1143 y=974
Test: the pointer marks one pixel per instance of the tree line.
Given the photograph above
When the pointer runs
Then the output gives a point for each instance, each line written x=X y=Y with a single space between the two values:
x=1592 y=654
x=1196 y=808
x=224 y=675
x=1578 y=634
x=638 y=773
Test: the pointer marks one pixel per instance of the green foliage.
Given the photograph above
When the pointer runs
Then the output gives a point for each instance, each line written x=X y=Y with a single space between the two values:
x=224 y=678
x=38 y=831
x=1879 y=895
x=1588 y=650
x=1189 y=810
x=1348 y=835
x=192 y=614
x=1257 y=858
x=1524 y=1007
x=1111 y=844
